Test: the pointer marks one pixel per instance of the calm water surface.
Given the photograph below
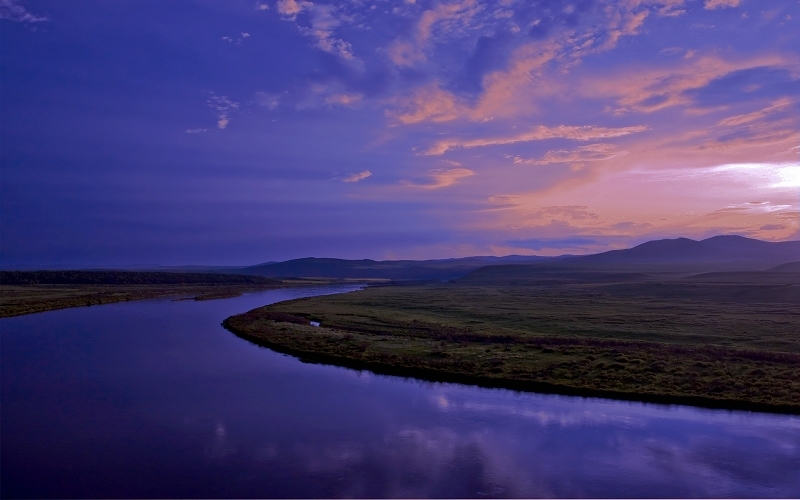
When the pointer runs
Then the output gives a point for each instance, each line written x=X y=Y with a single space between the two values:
x=156 y=399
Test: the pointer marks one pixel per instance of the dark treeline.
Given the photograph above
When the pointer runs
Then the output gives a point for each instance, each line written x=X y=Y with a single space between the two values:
x=126 y=278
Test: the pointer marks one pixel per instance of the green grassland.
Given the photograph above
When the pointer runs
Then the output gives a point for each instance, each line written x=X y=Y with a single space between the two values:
x=709 y=342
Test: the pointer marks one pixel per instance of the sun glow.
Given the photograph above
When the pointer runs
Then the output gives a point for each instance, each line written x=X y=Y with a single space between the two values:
x=774 y=175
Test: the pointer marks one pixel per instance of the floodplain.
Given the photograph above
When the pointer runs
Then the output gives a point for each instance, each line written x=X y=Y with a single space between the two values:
x=28 y=292
x=721 y=340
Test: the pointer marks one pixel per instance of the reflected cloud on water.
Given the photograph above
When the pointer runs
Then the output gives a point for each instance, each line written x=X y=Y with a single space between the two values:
x=189 y=410
x=475 y=442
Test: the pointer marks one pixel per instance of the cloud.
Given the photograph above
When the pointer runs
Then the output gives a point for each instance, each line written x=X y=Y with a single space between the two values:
x=222 y=107
x=564 y=213
x=690 y=82
x=677 y=201
x=776 y=141
x=13 y=11
x=268 y=100
x=721 y=4
x=570 y=242
x=262 y=6
x=669 y=8
x=360 y=176
x=329 y=95
x=777 y=106
x=441 y=177
x=448 y=17
x=324 y=19
x=238 y=39
x=536 y=70
x=760 y=129
x=428 y=103
x=344 y=99
x=290 y=8
x=525 y=74
x=788 y=176
x=592 y=152
x=749 y=84
x=405 y=53
x=624 y=22
x=579 y=133
x=196 y=130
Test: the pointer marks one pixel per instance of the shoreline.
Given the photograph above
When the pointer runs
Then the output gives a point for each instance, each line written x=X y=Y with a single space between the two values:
x=443 y=376
x=95 y=297
x=21 y=300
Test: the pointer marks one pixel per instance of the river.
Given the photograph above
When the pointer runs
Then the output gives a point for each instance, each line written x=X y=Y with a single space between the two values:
x=155 y=399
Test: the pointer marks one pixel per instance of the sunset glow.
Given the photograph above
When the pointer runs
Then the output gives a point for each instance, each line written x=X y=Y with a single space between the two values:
x=240 y=132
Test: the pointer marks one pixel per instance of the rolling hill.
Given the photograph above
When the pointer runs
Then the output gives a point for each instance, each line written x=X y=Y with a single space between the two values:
x=444 y=269
x=680 y=255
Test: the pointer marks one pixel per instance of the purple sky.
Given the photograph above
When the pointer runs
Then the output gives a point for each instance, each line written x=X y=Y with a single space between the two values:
x=235 y=132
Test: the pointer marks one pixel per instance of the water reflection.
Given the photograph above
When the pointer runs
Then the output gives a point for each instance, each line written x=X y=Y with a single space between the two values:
x=155 y=399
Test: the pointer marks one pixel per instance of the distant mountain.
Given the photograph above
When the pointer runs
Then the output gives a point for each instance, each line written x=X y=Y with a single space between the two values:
x=195 y=269
x=680 y=255
x=444 y=269
x=789 y=267
x=720 y=253
x=729 y=252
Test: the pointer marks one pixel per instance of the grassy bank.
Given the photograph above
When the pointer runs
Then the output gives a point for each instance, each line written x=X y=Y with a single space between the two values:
x=709 y=344
x=26 y=292
x=18 y=300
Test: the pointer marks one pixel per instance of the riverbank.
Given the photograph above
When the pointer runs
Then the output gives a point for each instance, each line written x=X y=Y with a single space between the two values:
x=38 y=291
x=579 y=340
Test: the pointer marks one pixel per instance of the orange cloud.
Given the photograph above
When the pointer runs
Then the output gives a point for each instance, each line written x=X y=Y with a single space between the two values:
x=678 y=201
x=536 y=70
x=646 y=91
x=579 y=133
x=501 y=96
x=442 y=177
x=409 y=52
x=779 y=105
x=425 y=103
x=721 y=4
x=360 y=176
x=592 y=152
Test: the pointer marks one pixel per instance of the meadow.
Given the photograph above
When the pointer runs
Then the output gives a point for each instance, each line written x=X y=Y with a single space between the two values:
x=710 y=342
x=27 y=292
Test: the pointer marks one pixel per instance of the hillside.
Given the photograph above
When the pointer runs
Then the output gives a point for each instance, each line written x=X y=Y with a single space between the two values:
x=651 y=260
x=445 y=269
x=789 y=267
x=730 y=251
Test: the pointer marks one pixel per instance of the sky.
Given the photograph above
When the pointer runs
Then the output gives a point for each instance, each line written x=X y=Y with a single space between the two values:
x=228 y=132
